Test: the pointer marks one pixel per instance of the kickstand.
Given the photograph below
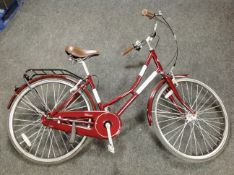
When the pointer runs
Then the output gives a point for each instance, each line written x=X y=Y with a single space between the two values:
x=73 y=133
x=110 y=146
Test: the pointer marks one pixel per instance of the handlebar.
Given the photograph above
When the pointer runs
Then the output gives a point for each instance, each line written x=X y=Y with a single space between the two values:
x=148 y=13
x=127 y=50
x=138 y=45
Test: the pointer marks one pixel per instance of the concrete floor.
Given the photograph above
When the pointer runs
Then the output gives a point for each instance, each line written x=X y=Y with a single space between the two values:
x=36 y=38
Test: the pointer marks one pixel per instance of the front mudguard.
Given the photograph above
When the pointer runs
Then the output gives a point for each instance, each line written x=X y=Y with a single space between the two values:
x=154 y=92
x=33 y=80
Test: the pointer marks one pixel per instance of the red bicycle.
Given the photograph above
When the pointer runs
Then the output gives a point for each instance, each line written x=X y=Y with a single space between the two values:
x=53 y=113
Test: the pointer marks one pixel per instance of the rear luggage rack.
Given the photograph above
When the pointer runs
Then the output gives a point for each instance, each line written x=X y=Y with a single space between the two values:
x=31 y=73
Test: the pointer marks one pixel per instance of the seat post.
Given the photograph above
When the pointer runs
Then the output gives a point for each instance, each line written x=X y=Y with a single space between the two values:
x=85 y=67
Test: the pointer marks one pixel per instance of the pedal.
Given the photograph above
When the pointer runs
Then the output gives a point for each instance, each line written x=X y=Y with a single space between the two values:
x=73 y=133
x=110 y=146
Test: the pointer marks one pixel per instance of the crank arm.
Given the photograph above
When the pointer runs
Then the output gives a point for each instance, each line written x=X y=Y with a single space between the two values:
x=110 y=146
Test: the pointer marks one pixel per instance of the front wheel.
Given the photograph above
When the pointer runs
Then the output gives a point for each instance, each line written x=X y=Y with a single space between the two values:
x=193 y=137
x=29 y=136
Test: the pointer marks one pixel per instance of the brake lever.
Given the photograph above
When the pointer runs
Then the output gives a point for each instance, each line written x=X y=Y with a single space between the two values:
x=138 y=45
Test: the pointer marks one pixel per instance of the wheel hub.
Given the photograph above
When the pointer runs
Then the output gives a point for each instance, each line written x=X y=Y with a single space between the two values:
x=191 y=117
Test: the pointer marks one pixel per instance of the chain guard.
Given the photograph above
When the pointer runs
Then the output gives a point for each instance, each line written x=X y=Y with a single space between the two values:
x=103 y=119
x=94 y=120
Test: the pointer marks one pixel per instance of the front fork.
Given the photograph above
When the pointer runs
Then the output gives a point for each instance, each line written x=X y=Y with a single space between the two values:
x=172 y=84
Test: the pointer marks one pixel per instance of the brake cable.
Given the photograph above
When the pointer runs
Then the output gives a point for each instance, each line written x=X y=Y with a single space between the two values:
x=175 y=57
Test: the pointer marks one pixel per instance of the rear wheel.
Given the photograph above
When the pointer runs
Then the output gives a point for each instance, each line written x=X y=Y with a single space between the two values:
x=198 y=137
x=29 y=136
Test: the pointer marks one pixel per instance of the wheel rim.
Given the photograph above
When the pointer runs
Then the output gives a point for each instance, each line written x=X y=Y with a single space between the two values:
x=195 y=137
x=30 y=136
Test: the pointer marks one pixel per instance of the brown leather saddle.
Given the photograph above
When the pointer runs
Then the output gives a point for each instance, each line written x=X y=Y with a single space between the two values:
x=77 y=52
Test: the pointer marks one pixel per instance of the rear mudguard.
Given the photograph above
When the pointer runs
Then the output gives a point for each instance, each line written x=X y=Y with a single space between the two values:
x=23 y=86
x=154 y=92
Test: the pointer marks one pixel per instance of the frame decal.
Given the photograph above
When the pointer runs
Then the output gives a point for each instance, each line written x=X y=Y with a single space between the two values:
x=147 y=81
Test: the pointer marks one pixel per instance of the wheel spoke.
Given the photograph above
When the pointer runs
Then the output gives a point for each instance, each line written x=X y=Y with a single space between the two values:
x=171 y=103
x=191 y=94
x=56 y=142
x=40 y=141
x=168 y=107
x=204 y=139
x=200 y=112
x=61 y=94
x=189 y=100
x=197 y=96
x=208 y=121
x=28 y=137
x=36 y=94
x=173 y=130
x=69 y=106
x=189 y=139
x=81 y=107
x=43 y=99
x=170 y=124
x=34 y=141
x=196 y=143
x=46 y=142
x=46 y=97
x=63 y=141
x=205 y=102
x=201 y=100
x=28 y=130
x=169 y=119
x=178 y=131
x=33 y=106
x=32 y=110
x=167 y=112
x=171 y=116
x=56 y=104
x=30 y=124
x=51 y=142
x=22 y=120
x=214 y=127
x=211 y=136
x=72 y=104
x=180 y=135
x=27 y=113
x=54 y=95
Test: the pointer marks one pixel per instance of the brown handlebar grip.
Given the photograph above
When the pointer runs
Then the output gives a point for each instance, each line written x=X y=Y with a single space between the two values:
x=127 y=50
x=147 y=13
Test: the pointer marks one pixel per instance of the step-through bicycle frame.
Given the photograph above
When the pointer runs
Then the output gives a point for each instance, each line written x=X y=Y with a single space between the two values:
x=134 y=91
